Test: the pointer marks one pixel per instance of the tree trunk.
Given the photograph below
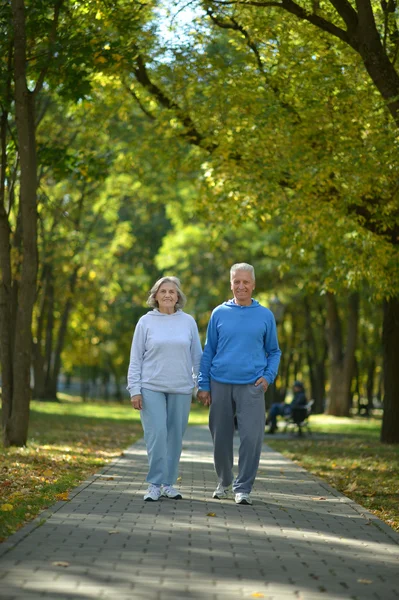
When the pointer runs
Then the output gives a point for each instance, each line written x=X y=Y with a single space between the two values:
x=338 y=399
x=6 y=329
x=370 y=383
x=351 y=342
x=6 y=321
x=16 y=421
x=38 y=361
x=368 y=43
x=316 y=362
x=52 y=380
x=390 y=336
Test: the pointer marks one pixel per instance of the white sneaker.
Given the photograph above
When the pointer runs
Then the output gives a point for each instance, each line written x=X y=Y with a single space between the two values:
x=221 y=492
x=243 y=498
x=153 y=493
x=170 y=492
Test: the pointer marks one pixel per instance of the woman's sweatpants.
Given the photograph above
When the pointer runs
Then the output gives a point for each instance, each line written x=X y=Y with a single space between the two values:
x=247 y=402
x=164 y=418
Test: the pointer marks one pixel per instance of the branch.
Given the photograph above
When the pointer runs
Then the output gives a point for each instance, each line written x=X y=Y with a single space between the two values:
x=191 y=134
x=51 y=42
x=298 y=11
x=141 y=105
x=347 y=13
x=235 y=26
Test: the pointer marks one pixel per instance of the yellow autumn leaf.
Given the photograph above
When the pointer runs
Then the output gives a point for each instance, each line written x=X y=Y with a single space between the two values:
x=257 y=595
x=211 y=514
x=48 y=473
x=6 y=507
x=63 y=496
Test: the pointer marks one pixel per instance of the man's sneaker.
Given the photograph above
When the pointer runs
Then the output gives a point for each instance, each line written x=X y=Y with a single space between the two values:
x=221 y=492
x=170 y=492
x=153 y=493
x=243 y=498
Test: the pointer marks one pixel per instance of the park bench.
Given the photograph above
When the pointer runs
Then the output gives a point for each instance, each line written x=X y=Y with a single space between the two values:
x=299 y=418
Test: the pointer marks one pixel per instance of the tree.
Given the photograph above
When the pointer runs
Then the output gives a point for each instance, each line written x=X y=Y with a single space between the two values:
x=370 y=29
x=233 y=171
x=19 y=285
x=48 y=45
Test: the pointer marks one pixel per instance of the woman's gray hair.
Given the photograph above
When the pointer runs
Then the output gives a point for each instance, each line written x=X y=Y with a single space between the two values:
x=181 y=299
x=242 y=267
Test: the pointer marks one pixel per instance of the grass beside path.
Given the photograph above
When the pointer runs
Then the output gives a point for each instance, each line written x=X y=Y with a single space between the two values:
x=351 y=459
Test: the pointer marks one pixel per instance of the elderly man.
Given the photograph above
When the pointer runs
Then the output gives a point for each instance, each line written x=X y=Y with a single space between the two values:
x=240 y=360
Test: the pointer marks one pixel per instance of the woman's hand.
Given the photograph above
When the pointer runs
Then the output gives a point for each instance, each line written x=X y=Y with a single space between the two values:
x=137 y=401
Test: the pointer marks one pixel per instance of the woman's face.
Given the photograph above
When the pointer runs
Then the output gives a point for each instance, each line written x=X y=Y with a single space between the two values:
x=167 y=297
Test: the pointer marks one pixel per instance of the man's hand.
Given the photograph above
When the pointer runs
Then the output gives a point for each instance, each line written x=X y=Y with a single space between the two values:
x=137 y=401
x=204 y=397
x=262 y=381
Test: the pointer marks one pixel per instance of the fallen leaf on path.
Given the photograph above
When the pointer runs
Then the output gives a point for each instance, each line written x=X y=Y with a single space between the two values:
x=60 y=563
x=257 y=595
x=211 y=514
x=320 y=498
x=367 y=581
x=178 y=479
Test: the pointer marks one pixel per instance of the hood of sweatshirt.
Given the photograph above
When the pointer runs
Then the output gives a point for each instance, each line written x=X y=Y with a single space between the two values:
x=157 y=313
x=231 y=303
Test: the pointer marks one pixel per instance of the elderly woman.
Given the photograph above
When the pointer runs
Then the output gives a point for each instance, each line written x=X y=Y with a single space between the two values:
x=164 y=362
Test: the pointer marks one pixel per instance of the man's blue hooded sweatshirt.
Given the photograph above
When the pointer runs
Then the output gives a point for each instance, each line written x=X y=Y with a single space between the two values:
x=241 y=345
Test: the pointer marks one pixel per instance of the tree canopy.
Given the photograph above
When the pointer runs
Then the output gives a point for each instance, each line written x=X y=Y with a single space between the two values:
x=249 y=130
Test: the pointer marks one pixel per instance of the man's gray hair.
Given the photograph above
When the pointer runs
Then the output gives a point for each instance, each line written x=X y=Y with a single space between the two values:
x=181 y=298
x=242 y=267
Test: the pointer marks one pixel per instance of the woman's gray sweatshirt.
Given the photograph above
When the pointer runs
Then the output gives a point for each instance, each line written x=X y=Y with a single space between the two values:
x=165 y=355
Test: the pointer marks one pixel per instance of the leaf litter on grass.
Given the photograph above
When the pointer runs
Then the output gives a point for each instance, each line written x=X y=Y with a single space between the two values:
x=62 y=454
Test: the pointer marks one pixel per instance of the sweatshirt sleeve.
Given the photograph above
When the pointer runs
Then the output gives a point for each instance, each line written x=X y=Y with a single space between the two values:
x=273 y=352
x=210 y=347
x=136 y=360
x=196 y=351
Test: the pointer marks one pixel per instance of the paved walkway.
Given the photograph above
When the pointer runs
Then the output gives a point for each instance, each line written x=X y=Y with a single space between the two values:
x=301 y=539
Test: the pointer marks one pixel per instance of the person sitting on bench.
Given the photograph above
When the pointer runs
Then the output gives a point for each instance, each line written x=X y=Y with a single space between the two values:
x=282 y=409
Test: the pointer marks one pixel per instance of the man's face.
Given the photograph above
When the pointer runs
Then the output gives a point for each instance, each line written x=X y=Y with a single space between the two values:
x=242 y=286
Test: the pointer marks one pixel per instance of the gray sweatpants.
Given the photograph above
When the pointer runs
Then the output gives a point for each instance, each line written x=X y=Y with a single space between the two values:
x=247 y=402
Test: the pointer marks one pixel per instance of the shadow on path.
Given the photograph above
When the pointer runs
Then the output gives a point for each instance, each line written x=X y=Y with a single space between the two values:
x=301 y=539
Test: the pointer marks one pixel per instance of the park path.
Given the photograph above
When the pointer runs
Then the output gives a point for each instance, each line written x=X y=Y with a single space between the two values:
x=301 y=539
